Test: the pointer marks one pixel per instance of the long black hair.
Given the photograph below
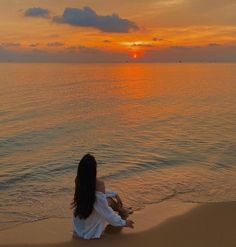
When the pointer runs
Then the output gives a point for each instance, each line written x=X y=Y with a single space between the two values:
x=85 y=186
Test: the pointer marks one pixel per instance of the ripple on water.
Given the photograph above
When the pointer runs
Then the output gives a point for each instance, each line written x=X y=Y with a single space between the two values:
x=157 y=134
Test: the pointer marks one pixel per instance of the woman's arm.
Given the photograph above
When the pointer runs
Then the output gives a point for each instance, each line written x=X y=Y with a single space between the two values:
x=106 y=212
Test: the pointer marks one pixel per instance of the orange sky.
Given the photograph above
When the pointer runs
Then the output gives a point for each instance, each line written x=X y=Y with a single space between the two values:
x=141 y=28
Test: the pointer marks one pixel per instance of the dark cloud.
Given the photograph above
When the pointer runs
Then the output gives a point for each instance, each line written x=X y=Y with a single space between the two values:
x=107 y=41
x=87 y=17
x=157 y=39
x=37 y=12
x=55 y=44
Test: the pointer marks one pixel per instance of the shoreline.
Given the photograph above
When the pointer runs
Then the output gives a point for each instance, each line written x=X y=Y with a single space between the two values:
x=170 y=223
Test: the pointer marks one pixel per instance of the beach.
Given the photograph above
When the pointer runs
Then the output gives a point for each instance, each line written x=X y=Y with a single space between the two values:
x=133 y=97
x=166 y=224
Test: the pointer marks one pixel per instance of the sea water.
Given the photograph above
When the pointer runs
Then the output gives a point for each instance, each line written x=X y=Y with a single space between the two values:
x=158 y=131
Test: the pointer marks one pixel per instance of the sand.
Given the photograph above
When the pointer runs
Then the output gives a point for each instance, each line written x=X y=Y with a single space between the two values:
x=166 y=224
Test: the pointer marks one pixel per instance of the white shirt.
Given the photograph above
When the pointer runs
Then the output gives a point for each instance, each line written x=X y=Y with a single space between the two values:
x=94 y=225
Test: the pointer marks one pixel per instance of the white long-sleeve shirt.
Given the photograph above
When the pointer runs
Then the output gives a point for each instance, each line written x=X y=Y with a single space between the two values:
x=94 y=225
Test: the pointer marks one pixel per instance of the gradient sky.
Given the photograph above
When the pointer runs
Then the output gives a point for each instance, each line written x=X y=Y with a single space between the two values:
x=117 y=31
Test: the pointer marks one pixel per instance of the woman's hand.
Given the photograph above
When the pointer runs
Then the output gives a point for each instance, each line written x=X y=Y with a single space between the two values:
x=129 y=223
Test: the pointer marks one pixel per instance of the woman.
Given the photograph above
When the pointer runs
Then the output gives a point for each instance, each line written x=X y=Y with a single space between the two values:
x=91 y=209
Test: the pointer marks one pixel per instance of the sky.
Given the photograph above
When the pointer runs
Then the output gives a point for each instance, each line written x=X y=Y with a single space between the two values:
x=117 y=31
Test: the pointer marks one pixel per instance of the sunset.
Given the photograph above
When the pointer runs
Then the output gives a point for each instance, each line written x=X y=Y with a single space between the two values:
x=117 y=123
x=101 y=31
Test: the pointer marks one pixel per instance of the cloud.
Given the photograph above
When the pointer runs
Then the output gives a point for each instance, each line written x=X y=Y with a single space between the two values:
x=77 y=54
x=10 y=44
x=72 y=48
x=37 y=12
x=75 y=47
x=157 y=39
x=33 y=45
x=87 y=17
x=107 y=41
x=214 y=45
x=142 y=45
x=54 y=35
x=220 y=53
x=55 y=44
x=85 y=54
x=82 y=49
x=181 y=47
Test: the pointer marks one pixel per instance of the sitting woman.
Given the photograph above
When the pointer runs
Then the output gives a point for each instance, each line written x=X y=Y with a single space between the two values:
x=93 y=206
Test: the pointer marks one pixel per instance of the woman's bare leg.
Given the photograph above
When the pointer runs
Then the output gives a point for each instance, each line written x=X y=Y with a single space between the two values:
x=112 y=203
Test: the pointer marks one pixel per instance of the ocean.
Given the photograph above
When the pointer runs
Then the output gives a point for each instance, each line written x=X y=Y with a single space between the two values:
x=158 y=132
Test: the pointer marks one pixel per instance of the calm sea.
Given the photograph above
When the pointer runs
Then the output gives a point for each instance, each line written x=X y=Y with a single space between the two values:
x=158 y=131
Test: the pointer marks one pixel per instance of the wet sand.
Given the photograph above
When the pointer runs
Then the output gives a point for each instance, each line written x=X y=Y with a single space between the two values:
x=165 y=224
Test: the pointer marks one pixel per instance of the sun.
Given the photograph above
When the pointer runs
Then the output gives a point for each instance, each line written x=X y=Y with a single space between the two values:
x=135 y=56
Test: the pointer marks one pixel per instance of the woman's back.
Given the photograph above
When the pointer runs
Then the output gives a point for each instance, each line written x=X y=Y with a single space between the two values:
x=94 y=225
x=91 y=209
x=100 y=185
